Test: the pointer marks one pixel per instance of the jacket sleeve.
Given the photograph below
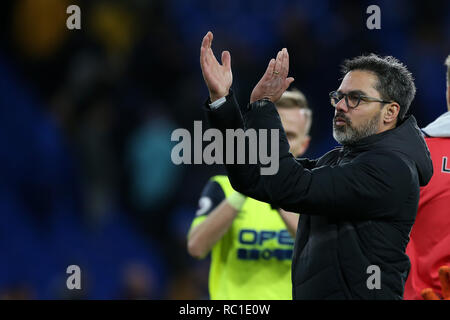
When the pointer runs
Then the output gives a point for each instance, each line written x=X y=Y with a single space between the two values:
x=368 y=187
x=307 y=163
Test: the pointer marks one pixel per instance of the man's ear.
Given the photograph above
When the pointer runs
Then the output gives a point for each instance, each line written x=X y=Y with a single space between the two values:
x=391 y=113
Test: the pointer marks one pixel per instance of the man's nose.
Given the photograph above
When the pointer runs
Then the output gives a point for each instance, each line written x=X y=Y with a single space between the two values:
x=342 y=105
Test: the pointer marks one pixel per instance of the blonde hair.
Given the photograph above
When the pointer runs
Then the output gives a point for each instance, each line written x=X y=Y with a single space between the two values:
x=296 y=99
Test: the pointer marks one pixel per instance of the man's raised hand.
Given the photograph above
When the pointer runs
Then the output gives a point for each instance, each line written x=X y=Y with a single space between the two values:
x=218 y=78
x=274 y=81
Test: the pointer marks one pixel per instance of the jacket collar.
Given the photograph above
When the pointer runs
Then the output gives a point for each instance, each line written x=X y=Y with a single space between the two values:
x=379 y=139
x=405 y=139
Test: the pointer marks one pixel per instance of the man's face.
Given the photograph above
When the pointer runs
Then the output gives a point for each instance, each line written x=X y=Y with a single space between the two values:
x=351 y=125
x=294 y=122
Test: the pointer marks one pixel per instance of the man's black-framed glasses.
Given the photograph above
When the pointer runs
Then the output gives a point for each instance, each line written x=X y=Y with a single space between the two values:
x=352 y=99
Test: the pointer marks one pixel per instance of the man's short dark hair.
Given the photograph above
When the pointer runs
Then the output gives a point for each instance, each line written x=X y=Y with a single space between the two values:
x=395 y=82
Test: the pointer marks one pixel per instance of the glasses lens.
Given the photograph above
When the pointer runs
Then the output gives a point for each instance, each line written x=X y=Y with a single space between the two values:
x=353 y=99
x=335 y=97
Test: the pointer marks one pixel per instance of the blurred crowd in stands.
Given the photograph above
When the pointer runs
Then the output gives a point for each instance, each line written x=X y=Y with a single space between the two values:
x=86 y=117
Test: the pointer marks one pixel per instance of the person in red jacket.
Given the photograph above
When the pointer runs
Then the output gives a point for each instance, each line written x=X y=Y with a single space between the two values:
x=429 y=245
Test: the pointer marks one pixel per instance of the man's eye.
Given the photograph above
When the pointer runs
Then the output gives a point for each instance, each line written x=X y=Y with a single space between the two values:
x=353 y=97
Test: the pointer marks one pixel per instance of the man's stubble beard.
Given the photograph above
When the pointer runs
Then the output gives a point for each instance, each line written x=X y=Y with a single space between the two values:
x=348 y=134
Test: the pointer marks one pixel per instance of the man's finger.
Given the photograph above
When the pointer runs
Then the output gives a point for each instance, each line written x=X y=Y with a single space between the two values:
x=277 y=67
x=428 y=294
x=286 y=62
x=269 y=71
x=444 y=277
x=211 y=36
x=268 y=74
x=203 y=61
x=205 y=49
x=205 y=41
x=283 y=73
x=226 y=60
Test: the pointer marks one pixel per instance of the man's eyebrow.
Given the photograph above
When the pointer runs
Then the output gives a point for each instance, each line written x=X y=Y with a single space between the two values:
x=355 y=91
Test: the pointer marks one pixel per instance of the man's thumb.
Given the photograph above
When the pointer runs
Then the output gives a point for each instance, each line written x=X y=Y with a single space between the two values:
x=288 y=82
x=226 y=59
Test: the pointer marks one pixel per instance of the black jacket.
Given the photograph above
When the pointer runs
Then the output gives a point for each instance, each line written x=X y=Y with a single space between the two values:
x=357 y=204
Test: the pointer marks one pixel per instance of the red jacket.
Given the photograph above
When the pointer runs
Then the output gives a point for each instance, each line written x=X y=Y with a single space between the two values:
x=429 y=246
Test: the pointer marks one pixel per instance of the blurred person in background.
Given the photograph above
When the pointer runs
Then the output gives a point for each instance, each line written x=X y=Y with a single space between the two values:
x=251 y=242
x=137 y=282
x=429 y=245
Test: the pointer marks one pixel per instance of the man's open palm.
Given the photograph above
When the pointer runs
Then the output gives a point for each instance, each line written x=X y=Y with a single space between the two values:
x=218 y=78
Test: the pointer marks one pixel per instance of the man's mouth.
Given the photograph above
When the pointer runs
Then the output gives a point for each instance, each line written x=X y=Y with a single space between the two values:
x=340 y=121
